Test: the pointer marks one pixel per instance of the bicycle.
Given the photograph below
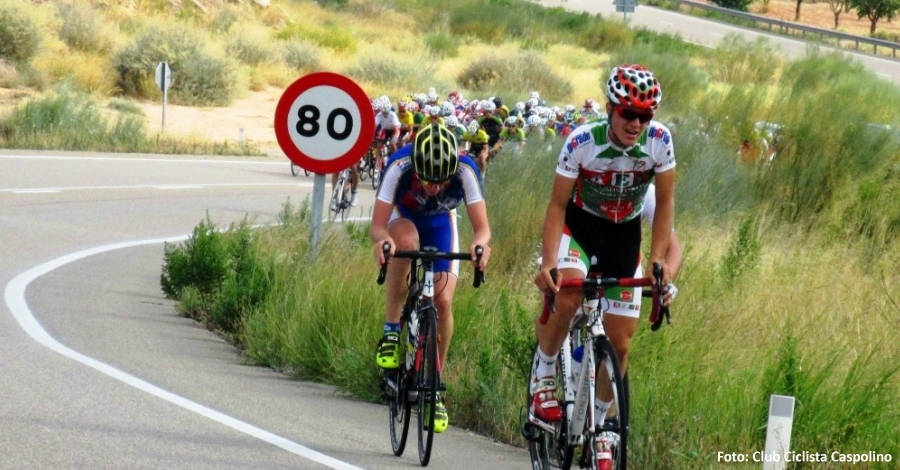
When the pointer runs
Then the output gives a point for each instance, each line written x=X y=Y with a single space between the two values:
x=603 y=445
x=418 y=379
x=295 y=169
x=340 y=197
x=377 y=157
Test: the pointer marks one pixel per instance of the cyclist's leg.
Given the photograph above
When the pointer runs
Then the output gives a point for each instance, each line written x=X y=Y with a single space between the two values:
x=405 y=238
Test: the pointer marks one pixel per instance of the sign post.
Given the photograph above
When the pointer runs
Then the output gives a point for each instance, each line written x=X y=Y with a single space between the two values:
x=625 y=7
x=324 y=124
x=778 y=432
x=164 y=81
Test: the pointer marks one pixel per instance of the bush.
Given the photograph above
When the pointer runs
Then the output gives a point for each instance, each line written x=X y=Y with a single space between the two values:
x=737 y=61
x=301 y=56
x=605 y=36
x=81 y=27
x=740 y=5
x=68 y=120
x=251 y=46
x=201 y=73
x=330 y=35
x=407 y=73
x=442 y=44
x=510 y=75
x=19 y=35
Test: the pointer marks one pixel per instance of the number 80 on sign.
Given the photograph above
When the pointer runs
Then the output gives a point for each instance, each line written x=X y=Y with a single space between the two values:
x=324 y=122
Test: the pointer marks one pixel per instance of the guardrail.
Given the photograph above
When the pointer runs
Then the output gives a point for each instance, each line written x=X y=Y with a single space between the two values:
x=786 y=26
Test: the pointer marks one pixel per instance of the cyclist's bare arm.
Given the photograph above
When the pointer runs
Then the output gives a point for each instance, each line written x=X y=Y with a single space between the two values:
x=478 y=217
x=554 y=222
x=663 y=221
x=378 y=230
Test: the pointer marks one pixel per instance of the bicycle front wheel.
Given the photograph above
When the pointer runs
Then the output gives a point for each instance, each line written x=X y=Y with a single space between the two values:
x=549 y=450
x=399 y=407
x=295 y=169
x=611 y=433
x=334 y=207
x=428 y=379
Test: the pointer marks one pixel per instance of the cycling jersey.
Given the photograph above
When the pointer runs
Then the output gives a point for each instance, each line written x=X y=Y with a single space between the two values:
x=479 y=137
x=406 y=119
x=433 y=216
x=516 y=136
x=611 y=181
x=387 y=123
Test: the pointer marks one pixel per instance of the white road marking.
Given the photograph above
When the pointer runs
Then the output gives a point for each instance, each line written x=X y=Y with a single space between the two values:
x=146 y=186
x=667 y=23
x=15 y=301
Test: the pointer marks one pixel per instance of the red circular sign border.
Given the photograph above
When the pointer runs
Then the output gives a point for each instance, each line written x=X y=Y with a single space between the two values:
x=282 y=131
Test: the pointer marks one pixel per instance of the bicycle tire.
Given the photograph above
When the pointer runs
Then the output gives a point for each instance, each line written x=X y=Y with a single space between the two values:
x=345 y=201
x=608 y=364
x=334 y=207
x=549 y=451
x=428 y=387
x=295 y=169
x=400 y=408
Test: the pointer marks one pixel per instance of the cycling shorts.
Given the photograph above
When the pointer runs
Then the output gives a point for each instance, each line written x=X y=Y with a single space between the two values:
x=595 y=245
x=439 y=231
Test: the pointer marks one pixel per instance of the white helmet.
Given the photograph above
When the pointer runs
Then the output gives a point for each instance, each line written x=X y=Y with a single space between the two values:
x=473 y=127
x=451 y=121
x=512 y=121
x=447 y=108
x=534 y=95
x=534 y=120
x=488 y=106
x=520 y=105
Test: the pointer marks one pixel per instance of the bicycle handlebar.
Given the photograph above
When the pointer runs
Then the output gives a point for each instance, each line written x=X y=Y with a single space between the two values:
x=433 y=255
x=657 y=313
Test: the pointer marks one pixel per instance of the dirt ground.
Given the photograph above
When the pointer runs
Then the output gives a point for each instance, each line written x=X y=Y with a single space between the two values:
x=819 y=14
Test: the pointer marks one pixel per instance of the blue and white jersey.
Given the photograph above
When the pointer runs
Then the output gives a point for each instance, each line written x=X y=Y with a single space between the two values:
x=401 y=187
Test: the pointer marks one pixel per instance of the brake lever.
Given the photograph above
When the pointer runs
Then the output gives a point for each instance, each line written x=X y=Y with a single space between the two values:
x=549 y=301
x=386 y=248
x=479 y=274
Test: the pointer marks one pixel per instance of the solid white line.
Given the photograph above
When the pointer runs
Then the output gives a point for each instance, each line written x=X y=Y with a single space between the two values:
x=34 y=191
x=146 y=186
x=667 y=22
x=15 y=301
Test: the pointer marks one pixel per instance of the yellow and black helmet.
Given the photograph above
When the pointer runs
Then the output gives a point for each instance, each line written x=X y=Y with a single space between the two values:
x=435 y=153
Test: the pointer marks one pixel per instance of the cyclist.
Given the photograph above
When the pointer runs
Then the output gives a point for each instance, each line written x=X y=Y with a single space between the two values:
x=602 y=175
x=415 y=206
x=491 y=123
x=476 y=144
x=511 y=132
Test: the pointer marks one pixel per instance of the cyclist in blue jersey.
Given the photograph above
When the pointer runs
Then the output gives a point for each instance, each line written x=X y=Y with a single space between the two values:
x=415 y=206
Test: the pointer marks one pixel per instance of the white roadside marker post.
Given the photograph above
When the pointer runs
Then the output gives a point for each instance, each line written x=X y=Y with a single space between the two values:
x=778 y=432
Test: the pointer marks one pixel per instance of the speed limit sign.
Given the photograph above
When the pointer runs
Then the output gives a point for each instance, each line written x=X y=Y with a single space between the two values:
x=324 y=122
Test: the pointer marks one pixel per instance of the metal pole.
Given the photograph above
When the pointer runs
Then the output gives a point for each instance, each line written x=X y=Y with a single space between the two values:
x=165 y=101
x=318 y=201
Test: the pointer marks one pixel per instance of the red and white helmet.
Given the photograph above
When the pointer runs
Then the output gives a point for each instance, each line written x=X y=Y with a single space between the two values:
x=635 y=86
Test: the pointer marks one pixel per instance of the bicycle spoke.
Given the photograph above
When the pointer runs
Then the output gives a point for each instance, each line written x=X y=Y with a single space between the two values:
x=429 y=378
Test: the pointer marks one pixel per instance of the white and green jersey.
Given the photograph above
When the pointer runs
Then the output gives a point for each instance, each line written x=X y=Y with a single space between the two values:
x=612 y=181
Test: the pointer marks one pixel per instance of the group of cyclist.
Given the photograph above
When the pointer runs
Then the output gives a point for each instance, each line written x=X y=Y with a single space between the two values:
x=602 y=184
x=482 y=127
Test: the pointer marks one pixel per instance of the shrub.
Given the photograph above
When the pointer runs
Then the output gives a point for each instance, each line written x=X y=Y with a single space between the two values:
x=201 y=73
x=744 y=253
x=740 y=5
x=301 y=56
x=252 y=46
x=330 y=35
x=511 y=75
x=408 y=73
x=19 y=35
x=82 y=28
x=738 y=61
x=605 y=36
x=442 y=44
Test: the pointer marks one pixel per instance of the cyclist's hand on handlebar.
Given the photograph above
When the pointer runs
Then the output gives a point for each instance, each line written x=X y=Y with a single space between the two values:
x=648 y=271
x=379 y=250
x=485 y=254
x=544 y=281
x=670 y=293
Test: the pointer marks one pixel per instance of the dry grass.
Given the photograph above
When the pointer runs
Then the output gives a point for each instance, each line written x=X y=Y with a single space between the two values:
x=819 y=14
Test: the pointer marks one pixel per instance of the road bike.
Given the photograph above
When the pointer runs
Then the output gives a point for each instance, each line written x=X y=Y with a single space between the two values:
x=601 y=444
x=340 y=197
x=295 y=169
x=376 y=158
x=417 y=382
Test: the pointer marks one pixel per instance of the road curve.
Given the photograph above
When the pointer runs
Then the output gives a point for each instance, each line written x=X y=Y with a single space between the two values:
x=99 y=372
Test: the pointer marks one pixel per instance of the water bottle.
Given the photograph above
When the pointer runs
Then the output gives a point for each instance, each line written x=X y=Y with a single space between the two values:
x=577 y=356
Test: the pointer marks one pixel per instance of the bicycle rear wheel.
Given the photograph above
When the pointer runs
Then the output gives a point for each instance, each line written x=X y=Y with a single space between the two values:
x=548 y=450
x=295 y=169
x=611 y=433
x=428 y=380
x=334 y=207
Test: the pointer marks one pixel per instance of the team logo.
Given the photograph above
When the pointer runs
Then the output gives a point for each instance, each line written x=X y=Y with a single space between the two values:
x=626 y=295
x=574 y=253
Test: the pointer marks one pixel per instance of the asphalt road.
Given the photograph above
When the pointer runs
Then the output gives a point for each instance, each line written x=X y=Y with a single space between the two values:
x=710 y=33
x=99 y=372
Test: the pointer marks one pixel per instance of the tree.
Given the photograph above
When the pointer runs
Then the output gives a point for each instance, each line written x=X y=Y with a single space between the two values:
x=797 y=13
x=740 y=5
x=837 y=7
x=875 y=10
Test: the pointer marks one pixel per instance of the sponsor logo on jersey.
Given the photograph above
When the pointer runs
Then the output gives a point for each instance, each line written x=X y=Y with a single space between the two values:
x=577 y=140
x=574 y=253
x=626 y=295
x=567 y=259
x=660 y=134
x=625 y=306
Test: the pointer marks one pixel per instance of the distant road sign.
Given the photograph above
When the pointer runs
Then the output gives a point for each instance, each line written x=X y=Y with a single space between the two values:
x=324 y=122
x=163 y=76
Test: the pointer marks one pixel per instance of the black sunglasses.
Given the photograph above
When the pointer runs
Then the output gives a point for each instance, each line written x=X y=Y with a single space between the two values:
x=630 y=115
